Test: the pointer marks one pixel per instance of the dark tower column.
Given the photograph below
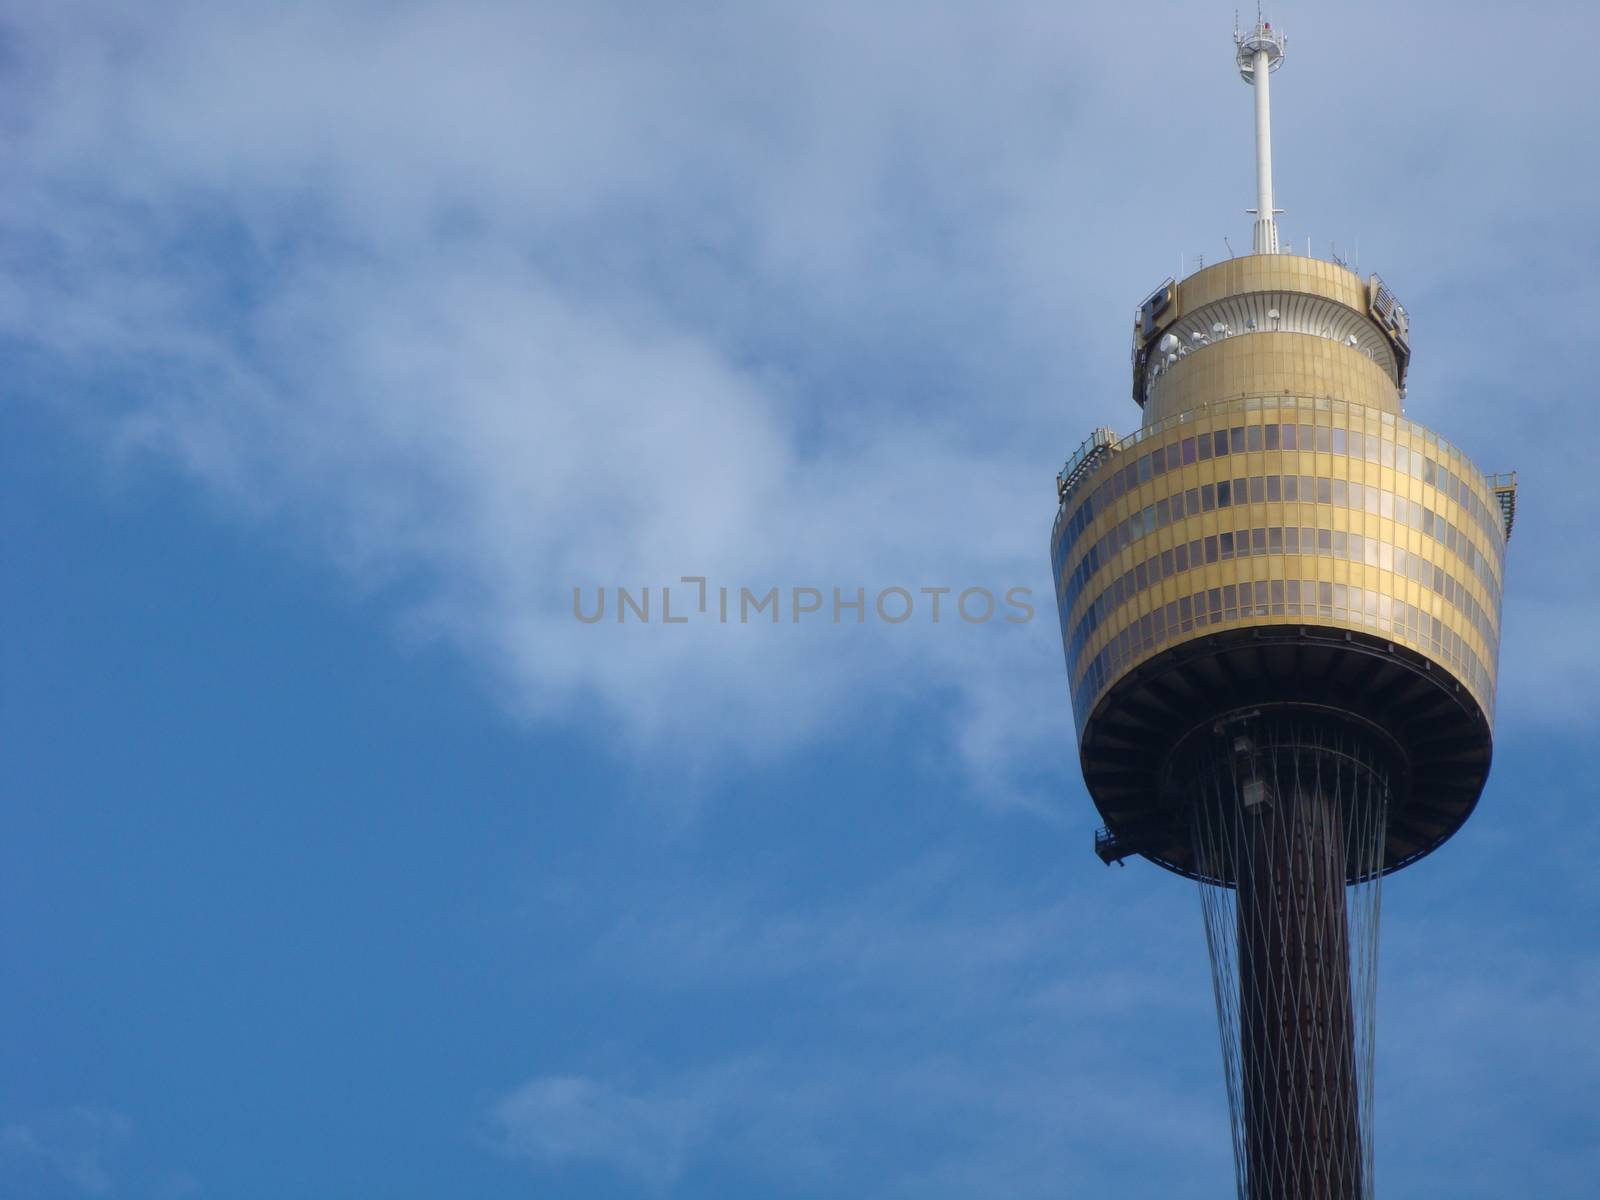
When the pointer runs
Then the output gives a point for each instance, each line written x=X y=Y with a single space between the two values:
x=1297 y=1035
x=1290 y=808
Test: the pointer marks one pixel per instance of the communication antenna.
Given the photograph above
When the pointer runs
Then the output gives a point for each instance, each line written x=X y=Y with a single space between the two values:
x=1258 y=53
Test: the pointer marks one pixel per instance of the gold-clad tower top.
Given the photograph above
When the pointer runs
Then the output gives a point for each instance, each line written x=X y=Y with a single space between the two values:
x=1277 y=536
x=1333 y=334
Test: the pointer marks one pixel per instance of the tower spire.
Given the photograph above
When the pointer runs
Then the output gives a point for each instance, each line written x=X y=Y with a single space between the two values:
x=1259 y=52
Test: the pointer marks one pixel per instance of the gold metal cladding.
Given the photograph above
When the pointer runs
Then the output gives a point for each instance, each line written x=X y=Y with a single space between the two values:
x=1255 y=494
x=1394 y=434
x=1307 y=287
x=1266 y=363
x=1271 y=273
x=1438 y=603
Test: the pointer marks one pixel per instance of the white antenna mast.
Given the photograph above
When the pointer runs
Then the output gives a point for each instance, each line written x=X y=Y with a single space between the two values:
x=1258 y=54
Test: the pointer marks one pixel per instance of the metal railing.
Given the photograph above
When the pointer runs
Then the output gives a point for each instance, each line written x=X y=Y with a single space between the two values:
x=1084 y=459
x=1504 y=486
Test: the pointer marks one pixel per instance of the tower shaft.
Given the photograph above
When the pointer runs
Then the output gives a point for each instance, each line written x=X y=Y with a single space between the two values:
x=1289 y=812
x=1301 y=1117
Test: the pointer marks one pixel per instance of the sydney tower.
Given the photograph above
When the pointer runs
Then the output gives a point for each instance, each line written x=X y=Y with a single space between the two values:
x=1280 y=604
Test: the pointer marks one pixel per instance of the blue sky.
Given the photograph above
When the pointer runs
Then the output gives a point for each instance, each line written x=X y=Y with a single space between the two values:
x=340 y=342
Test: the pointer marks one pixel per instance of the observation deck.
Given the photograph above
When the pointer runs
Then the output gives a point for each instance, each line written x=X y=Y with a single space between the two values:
x=1277 y=533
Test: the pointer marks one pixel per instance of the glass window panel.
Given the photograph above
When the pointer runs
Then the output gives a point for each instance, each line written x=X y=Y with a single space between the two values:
x=1188 y=450
x=1274 y=487
x=1219 y=441
x=1340 y=441
x=1324 y=439
x=1291 y=487
x=1252 y=437
x=1225 y=544
x=1236 y=439
x=1258 y=487
x=1272 y=432
x=1289 y=439
x=1224 y=493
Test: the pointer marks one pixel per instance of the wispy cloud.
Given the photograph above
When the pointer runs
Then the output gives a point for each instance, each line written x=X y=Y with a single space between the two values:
x=486 y=304
x=70 y=1152
x=648 y=1135
x=954 y=1031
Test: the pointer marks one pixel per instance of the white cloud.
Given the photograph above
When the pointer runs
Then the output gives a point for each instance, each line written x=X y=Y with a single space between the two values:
x=490 y=302
x=554 y=1120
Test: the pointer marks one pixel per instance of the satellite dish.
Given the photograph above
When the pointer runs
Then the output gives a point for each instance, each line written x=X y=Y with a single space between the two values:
x=1168 y=343
x=1219 y=329
x=1351 y=340
x=1198 y=338
x=1250 y=323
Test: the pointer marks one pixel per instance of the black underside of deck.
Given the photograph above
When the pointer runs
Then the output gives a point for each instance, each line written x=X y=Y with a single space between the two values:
x=1440 y=736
